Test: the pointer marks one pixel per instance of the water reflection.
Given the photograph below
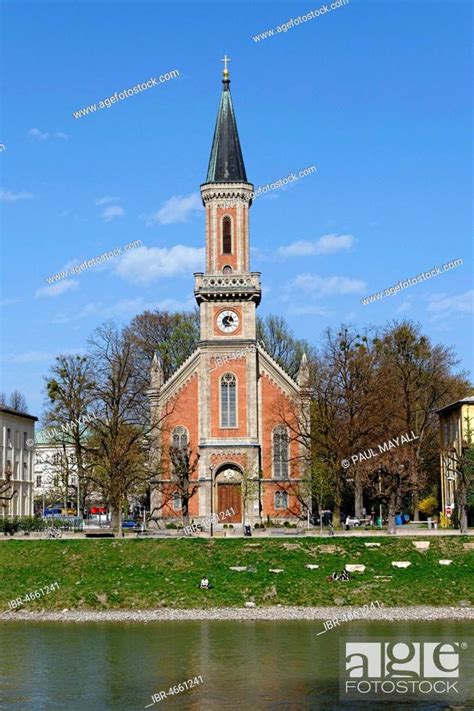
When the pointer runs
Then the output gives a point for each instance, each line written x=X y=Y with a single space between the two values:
x=244 y=665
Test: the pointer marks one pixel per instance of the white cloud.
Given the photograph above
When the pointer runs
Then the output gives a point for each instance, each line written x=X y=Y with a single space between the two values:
x=40 y=136
x=327 y=244
x=10 y=196
x=36 y=133
x=177 y=209
x=404 y=306
x=145 y=264
x=111 y=212
x=314 y=284
x=442 y=306
x=8 y=301
x=61 y=287
x=106 y=199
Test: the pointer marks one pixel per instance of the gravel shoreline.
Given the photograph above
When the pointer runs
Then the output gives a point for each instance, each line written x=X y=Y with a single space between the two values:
x=420 y=613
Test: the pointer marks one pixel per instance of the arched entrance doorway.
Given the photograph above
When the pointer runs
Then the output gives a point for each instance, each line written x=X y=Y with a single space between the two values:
x=229 y=493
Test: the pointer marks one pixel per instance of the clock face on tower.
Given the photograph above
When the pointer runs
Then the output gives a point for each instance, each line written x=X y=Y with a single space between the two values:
x=228 y=321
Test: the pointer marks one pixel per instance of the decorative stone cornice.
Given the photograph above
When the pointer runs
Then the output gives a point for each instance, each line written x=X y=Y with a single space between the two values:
x=226 y=287
x=211 y=192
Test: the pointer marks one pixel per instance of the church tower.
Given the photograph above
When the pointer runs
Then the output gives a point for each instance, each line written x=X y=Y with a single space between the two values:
x=227 y=292
x=230 y=402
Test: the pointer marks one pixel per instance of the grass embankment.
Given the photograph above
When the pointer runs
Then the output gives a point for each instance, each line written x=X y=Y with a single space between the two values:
x=141 y=574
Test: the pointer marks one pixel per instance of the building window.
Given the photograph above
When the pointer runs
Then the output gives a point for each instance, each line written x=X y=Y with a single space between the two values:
x=228 y=400
x=180 y=437
x=280 y=452
x=454 y=430
x=227 y=269
x=25 y=439
x=25 y=471
x=9 y=437
x=177 y=501
x=16 y=465
x=446 y=433
x=281 y=500
x=38 y=480
x=226 y=235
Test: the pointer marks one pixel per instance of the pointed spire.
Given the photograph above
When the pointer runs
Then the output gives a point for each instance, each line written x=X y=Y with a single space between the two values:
x=226 y=164
x=156 y=373
x=302 y=377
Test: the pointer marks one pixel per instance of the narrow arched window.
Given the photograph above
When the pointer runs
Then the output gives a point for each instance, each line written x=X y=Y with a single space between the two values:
x=281 y=500
x=180 y=437
x=226 y=235
x=228 y=400
x=280 y=452
x=177 y=503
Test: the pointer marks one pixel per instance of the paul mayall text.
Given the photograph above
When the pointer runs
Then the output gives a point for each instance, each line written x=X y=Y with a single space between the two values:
x=385 y=447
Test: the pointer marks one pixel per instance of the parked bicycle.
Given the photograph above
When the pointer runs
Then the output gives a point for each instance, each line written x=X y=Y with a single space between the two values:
x=53 y=532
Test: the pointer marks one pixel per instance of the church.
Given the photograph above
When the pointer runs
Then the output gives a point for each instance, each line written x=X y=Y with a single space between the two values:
x=229 y=405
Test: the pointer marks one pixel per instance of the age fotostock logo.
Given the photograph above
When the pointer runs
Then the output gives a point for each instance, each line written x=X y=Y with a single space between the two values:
x=401 y=669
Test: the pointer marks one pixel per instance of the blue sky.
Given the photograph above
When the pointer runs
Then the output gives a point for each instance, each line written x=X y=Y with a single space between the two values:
x=377 y=95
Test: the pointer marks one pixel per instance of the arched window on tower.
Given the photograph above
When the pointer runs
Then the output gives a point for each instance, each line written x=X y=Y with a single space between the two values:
x=228 y=400
x=226 y=235
x=179 y=437
x=280 y=452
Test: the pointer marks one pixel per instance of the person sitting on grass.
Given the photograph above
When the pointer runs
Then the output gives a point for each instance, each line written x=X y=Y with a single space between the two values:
x=205 y=584
x=344 y=575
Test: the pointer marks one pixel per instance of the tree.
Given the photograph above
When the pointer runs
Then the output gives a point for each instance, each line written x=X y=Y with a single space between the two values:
x=429 y=505
x=391 y=477
x=248 y=490
x=314 y=490
x=343 y=383
x=281 y=344
x=173 y=336
x=417 y=380
x=122 y=430
x=183 y=466
x=18 y=401
x=353 y=375
x=71 y=400
x=464 y=472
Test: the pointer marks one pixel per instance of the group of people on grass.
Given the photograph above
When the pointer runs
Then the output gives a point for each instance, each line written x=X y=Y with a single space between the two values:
x=343 y=575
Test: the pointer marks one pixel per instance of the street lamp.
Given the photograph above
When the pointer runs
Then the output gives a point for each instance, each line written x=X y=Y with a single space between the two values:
x=380 y=500
x=212 y=510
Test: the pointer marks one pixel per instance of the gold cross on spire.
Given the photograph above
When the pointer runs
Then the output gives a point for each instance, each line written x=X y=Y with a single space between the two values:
x=226 y=71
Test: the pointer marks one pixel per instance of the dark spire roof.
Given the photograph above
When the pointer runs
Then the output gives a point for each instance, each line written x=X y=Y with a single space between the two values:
x=226 y=164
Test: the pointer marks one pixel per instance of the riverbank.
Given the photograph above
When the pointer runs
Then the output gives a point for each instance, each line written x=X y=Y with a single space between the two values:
x=162 y=574
x=389 y=614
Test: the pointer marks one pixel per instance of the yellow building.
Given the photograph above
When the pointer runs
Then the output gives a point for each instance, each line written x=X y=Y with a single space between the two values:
x=454 y=420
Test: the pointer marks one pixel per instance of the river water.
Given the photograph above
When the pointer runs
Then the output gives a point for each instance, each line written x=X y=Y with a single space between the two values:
x=241 y=665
